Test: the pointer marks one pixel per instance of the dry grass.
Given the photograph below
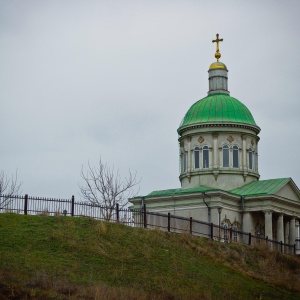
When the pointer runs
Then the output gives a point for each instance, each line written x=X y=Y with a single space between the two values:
x=258 y=262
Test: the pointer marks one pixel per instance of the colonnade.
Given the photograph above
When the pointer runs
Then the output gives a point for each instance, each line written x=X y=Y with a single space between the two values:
x=285 y=228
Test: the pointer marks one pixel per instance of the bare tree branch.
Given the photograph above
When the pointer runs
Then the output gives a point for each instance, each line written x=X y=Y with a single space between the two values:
x=8 y=187
x=104 y=186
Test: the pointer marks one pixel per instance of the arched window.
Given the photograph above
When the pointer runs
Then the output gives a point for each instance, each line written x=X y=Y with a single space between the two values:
x=205 y=157
x=235 y=156
x=225 y=156
x=250 y=158
x=197 y=157
x=235 y=234
x=226 y=237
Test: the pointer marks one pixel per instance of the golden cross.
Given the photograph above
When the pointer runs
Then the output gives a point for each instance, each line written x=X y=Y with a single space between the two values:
x=217 y=40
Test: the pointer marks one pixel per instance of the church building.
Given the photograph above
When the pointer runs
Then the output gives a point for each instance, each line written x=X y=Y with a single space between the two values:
x=218 y=140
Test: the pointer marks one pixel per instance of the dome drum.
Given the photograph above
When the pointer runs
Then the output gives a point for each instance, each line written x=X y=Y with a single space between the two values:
x=211 y=158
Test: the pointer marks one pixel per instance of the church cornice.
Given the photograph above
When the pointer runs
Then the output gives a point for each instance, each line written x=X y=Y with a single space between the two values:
x=274 y=203
x=218 y=125
x=221 y=171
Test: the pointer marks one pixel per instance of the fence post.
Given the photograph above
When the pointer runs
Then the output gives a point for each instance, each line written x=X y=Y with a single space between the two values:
x=72 y=206
x=281 y=248
x=294 y=248
x=169 y=222
x=145 y=216
x=191 y=225
x=212 y=231
x=25 y=204
x=117 y=210
x=249 y=241
x=230 y=232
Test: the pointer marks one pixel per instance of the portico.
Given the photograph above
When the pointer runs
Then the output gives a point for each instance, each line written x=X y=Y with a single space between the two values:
x=276 y=226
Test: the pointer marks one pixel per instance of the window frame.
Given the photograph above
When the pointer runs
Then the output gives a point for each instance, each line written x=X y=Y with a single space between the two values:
x=205 y=149
x=235 y=234
x=226 y=148
x=235 y=150
x=225 y=233
x=197 y=157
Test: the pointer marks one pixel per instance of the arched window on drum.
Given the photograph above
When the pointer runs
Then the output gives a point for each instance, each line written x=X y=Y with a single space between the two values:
x=225 y=150
x=197 y=157
x=205 y=160
x=235 y=156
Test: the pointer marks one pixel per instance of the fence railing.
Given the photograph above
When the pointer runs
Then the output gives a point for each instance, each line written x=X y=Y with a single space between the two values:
x=137 y=218
x=28 y=205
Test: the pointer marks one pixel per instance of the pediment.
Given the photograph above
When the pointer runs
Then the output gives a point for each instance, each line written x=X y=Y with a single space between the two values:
x=290 y=191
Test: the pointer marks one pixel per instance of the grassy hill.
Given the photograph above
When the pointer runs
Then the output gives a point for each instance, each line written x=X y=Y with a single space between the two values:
x=79 y=258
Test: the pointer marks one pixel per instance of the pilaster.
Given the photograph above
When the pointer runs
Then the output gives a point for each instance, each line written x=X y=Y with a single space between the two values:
x=189 y=163
x=215 y=137
x=247 y=222
x=215 y=155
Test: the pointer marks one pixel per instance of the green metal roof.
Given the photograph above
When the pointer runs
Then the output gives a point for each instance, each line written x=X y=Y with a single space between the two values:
x=261 y=187
x=180 y=191
x=218 y=108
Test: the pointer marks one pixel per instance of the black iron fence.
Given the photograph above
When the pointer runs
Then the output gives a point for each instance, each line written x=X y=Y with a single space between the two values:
x=28 y=205
x=137 y=218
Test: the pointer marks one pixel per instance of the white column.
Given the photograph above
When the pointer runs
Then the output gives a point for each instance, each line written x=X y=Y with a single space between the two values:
x=268 y=225
x=280 y=231
x=215 y=136
x=286 y=232
x=292 y=231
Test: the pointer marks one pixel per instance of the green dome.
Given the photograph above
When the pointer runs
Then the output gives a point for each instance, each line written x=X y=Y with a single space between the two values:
x=218 y=108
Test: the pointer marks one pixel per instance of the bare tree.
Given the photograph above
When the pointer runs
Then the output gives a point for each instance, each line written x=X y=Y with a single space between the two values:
x=105 y=187
x=8 y=187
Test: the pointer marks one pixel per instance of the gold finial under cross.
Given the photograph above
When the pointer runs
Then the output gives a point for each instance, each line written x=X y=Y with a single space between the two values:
x=217 y=40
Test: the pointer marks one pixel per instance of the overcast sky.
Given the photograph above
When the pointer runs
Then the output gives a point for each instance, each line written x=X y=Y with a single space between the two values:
x=84 y=79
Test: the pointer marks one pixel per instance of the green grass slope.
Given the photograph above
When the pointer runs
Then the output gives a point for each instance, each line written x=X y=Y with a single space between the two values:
x=79 y=258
